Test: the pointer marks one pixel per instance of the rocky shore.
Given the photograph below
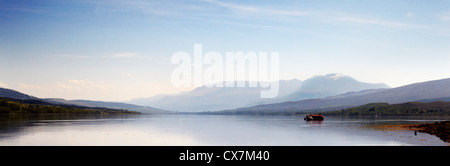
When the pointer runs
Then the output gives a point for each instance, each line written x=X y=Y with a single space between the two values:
x=439 y=129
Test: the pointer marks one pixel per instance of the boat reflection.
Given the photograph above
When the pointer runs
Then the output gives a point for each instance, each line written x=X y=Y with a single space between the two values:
x=314 y=122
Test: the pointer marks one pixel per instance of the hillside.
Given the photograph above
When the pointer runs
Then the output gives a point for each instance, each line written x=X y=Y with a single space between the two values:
x=437 y=108
x=222 y=98
x=217 y=98
x=17 y=106
x=27 y=99
x=9 y=93
x=413 y=92
x=111 y=105
x=330 y=85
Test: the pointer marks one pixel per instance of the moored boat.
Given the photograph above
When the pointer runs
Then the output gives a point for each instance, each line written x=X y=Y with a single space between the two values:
x=314 y=117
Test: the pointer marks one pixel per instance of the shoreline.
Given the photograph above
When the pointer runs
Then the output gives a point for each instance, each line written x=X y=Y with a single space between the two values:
x=439 y=129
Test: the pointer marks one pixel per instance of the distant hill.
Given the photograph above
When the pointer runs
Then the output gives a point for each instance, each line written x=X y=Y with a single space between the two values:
x=32 y=106
x=215 y=98
x=436 y=108
x=24 y=98
x=436 y=99
x=330 y=85
x=12 y=94
x=413 y=92
x=144 y=101
x=111 y=105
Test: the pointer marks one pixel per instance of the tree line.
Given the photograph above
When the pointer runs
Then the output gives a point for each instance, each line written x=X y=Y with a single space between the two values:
x=438 y=108
x=9 y=106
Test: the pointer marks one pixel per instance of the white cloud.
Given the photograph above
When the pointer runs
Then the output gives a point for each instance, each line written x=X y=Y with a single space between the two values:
x=83 y=85
x=256 y=10
x=115 y=55
x=445 y=17
x=104 y=91
x=369 y=21
x=3 y=85
x=344 y=17
x=377 y=22
x=144 y=6
x=25 y=9
x=234 y=6
x=126 y=74
x=122 y=55
x=71 y=56
x=68 y=87
x=86 y=89
x=86 y=83
x=24 y=86
x=409 y=14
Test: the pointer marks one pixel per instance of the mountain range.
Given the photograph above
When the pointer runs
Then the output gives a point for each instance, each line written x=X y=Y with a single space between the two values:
x=12 y=94
x=9 y=93
x=319 y=93
x=330 y=85
x=216 y=98
x=425 y=91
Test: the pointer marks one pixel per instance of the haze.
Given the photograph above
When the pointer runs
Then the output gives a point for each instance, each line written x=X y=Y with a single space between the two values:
x=120 y=50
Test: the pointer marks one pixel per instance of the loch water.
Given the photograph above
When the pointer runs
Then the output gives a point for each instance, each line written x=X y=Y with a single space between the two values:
x=209 y=130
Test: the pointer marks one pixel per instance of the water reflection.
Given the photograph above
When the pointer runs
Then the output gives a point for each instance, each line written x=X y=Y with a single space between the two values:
x=194 y=130
x=314 y=122
x=13 y=124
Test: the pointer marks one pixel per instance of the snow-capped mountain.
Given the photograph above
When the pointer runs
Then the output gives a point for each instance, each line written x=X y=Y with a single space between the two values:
x=215 y=98
x=330 y=85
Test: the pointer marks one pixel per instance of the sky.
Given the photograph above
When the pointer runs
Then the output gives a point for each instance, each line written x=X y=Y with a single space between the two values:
x=117 y=50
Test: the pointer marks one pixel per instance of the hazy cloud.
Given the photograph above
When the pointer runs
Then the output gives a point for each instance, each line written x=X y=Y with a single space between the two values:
x=24 y=86
x=115 y=55
x=80 y=85
x=256 y=10
x=86 y=83
x=122 y=55
x=376 y=22
x=445 y=17
x=71 y=56
x=126 y=74
x=3 y=85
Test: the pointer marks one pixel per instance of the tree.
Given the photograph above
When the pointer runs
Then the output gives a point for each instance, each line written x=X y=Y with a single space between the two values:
x=3 y=103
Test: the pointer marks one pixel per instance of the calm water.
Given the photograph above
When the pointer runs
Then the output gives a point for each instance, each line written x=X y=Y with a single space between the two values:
x=206 y=130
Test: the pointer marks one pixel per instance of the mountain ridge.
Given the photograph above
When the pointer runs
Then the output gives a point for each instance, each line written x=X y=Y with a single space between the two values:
x=417 y=91
x=9 y=93
x=13 y=94
x=329 y=85
x=216 y=99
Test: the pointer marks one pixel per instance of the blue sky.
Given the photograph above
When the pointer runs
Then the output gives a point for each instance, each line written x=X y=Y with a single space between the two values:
x=118 y=50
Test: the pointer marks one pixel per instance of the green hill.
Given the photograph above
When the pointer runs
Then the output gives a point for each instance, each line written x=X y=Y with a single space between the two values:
x=437 y=108
x=17 y=106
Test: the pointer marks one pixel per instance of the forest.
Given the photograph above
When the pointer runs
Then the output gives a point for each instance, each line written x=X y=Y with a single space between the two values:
x=437 y=108
x=15 y=106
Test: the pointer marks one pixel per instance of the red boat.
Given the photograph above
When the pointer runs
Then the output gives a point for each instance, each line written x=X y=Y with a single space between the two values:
x=314 y=117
